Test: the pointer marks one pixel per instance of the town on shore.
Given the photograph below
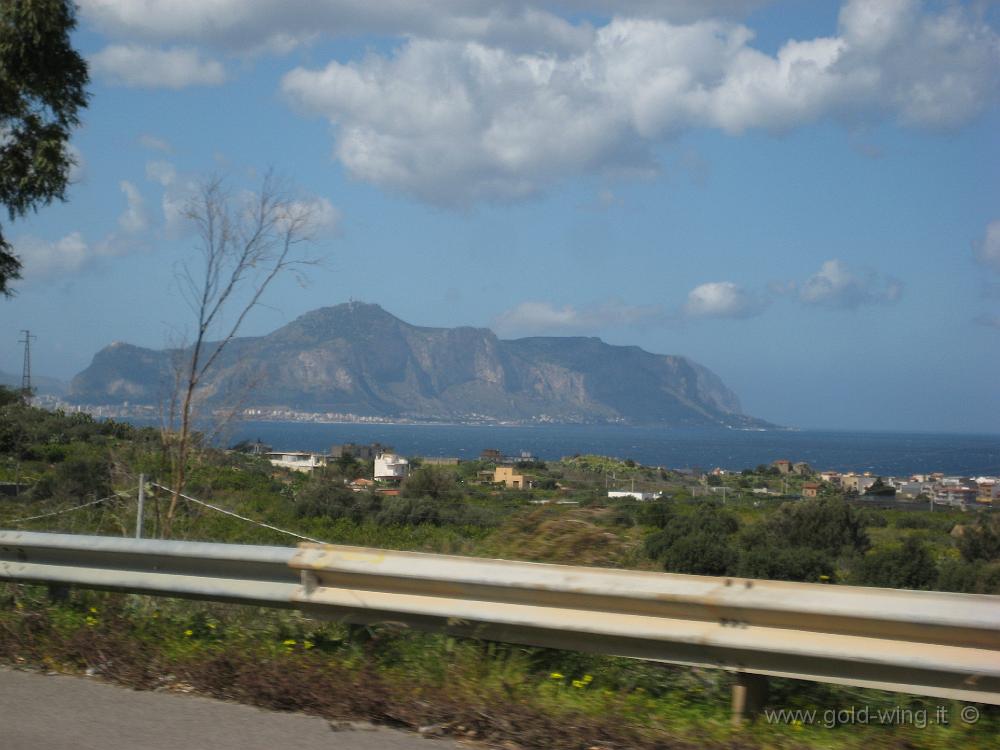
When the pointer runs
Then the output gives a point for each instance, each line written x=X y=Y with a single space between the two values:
x=386 y=470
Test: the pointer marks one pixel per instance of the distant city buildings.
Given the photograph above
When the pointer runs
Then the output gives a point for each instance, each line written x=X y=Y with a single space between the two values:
x=391 y=469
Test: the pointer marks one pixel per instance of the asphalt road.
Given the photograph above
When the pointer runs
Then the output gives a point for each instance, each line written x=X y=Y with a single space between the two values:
x=54 y=712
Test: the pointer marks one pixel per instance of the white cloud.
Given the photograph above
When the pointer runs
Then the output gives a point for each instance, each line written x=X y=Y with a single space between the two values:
x=42 y=258
x=177 y=192
x=173 y=204
x=146 y=67
x=319 y=214
x=153 y=143
x=494 y=100
x=536 y=317
x=674 y=10
x=836 y=286
x=721 y=299
x=454 y=121
x=988 y=250
x=134 y=219
x=161 y=172
x=279 y=26
x=69 y=254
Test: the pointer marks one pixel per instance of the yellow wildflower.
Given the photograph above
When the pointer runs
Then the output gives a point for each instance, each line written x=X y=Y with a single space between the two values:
x=557 y=676
x=188 y=633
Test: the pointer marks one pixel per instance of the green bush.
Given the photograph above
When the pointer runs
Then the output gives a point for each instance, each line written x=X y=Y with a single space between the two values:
x=907 y=566
x=701 y=553
x=981 y=540
x=323 y=499
x=657 y=513
x=787 y=564
x=970 y=578
x=827 y=524
x=435 y=482
x=79 y=477
x=698 y=542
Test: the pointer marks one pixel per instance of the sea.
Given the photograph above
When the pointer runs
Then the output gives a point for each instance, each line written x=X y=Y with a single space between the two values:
x=883 y=453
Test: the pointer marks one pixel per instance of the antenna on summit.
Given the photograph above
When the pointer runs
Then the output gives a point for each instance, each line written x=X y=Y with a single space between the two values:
x=25 y=339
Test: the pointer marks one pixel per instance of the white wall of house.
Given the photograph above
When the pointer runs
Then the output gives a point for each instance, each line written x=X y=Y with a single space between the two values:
x=635 y=494
x=390 y=466
x=296 y=460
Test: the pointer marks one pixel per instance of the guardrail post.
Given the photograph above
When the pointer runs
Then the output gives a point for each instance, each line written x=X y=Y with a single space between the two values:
x=749 y=696
x=140 y=509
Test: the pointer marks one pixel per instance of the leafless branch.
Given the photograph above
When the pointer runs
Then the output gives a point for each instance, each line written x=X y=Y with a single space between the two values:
x=245 y=242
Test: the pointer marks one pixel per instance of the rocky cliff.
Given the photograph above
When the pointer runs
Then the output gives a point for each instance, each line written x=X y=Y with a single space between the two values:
x=357 y=358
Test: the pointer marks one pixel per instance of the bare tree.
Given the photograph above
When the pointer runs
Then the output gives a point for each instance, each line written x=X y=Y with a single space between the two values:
x=245 y=242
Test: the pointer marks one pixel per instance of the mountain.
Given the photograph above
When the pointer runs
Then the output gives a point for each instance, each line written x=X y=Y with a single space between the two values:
x=357 y=358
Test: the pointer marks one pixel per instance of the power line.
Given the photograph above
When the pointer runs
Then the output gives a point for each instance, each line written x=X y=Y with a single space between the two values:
x=66 y=510
x=237 y=515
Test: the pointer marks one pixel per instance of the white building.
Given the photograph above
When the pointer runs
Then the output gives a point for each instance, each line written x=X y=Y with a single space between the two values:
x=635 y=494
x=390 y=467
x=296 y=460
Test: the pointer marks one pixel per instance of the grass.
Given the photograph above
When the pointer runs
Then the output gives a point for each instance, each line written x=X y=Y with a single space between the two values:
x=501 y=693
x=533 y=698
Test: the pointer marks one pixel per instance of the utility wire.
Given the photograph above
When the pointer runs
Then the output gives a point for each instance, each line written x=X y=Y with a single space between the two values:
x=66 y=510
x=237 y=515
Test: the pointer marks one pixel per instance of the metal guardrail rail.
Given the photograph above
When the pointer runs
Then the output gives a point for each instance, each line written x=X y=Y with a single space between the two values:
x=925 y=643
x=240 y=573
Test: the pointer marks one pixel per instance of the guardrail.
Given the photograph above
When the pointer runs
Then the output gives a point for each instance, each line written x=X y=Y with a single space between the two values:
x=925 y=643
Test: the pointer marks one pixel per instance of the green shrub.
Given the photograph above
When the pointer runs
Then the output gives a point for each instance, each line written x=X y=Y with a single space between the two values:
x=907 y=566
x=787 y=564
x=827 y=524
x=981 y=540
x=435 y=482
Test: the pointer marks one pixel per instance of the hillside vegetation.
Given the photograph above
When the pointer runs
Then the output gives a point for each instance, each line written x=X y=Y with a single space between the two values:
x=531 y=697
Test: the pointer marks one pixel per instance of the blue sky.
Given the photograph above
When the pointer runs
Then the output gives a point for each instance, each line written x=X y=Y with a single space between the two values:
x=802 y=196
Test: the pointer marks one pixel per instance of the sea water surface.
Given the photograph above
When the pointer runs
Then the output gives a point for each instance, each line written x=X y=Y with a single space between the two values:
x=885 y=453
